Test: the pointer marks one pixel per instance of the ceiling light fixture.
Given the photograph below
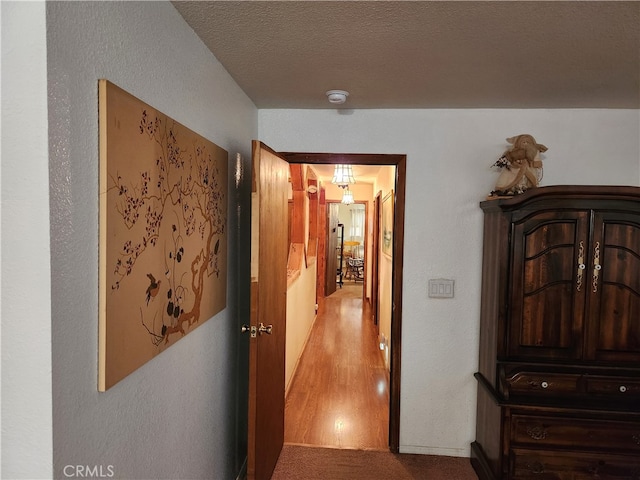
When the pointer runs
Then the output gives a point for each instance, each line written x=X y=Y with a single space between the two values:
x=347 y=197
x=343 y=176
x=337 y=97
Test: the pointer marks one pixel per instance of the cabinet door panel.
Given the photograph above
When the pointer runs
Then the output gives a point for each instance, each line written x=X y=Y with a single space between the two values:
x=614 y=288
x=548 y=290
x=546 y=319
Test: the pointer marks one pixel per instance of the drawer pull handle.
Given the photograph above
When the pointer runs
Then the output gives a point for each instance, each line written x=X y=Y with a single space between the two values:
x=622 y=389
x=596 y=266
x=636 y=438
x=535 y=467
x=595 y=470
x=537 y=432
x=544 y=384
x=581 y=266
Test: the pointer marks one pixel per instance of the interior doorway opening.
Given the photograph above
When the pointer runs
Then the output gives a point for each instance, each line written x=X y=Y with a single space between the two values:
x=393 y=254
x=351 y=239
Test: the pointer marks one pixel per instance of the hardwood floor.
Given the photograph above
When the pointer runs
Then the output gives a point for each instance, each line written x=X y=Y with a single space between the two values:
x=339 y=396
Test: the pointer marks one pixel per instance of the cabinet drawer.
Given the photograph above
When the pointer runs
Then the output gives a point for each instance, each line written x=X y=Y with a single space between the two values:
x=575 y=433
x=619 y=387
x=548 y=465
x=543 y=383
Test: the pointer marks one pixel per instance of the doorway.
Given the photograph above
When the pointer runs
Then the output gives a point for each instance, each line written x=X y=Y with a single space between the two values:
x=346 y=235
x=395 y=251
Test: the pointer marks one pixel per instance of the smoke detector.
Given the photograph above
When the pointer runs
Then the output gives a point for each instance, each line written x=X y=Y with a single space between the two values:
x=337 y=96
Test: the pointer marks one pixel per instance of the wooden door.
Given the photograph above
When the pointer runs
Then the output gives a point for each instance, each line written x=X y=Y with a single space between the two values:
x=269 y=249
x=548 y=286
x=613 y=282
x=332 y=247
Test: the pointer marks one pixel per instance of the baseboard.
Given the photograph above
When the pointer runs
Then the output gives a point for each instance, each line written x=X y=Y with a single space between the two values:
x=295 y=368
x=444 y=452
x=242 y=475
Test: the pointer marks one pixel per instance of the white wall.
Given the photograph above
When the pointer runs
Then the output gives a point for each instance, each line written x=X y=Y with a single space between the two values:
x=176 y=416
x=449 y=154
x=26 y=280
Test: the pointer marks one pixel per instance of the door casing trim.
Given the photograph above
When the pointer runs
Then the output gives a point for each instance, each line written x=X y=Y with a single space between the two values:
x=400 y=162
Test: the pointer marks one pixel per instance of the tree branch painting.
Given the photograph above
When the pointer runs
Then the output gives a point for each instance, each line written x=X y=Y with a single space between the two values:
x=163 y=243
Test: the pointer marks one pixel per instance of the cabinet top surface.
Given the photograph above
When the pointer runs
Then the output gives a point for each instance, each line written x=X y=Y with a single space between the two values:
x=563 y=192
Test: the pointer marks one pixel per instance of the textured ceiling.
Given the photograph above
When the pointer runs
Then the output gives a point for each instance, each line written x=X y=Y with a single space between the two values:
x=427 y=54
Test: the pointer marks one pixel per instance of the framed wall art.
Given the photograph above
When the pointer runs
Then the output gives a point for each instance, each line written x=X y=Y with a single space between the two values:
x=163 y=239
x=387 y=224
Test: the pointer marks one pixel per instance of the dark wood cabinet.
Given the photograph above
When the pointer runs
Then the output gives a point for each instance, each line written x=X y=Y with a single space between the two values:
x=559 y=366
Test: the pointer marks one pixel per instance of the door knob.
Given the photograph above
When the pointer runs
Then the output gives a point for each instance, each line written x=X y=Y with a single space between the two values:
x=265 y=329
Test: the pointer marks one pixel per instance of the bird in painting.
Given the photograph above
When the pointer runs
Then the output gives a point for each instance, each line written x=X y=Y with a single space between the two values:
x=153 y=288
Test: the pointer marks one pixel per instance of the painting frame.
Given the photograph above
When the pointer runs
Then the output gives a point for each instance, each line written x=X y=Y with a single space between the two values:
x=386 y=225
x=163 y=206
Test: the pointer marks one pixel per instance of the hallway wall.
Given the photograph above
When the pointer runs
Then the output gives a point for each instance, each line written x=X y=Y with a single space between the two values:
x=183 y=414
x=301 y=313
x=449 y=154
x=385 y=182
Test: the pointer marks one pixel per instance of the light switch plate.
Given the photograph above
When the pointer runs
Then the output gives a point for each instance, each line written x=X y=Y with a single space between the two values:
x=440 y=288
